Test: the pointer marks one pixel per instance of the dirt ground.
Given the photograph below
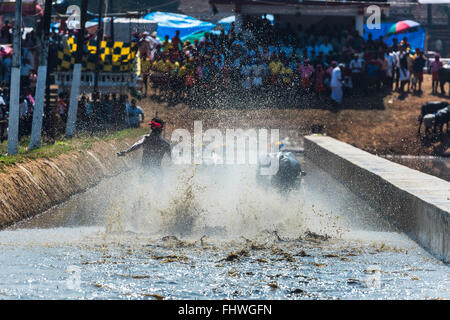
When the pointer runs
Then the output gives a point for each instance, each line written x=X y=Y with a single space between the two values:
x=382 y=123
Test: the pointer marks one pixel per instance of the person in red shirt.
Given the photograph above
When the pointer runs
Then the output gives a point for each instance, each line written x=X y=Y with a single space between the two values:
x=176 y=41
x=435 y=66
x=62 y=107
x=319 y=79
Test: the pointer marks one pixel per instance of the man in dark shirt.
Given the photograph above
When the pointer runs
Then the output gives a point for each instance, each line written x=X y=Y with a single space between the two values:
x=154 y=147
x=418 y=65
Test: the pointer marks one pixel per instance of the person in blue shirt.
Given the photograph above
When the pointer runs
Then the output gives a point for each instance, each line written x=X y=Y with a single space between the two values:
x=372 y=73
x=132 y=115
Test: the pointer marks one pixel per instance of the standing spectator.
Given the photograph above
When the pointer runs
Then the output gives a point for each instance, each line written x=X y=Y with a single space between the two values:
x=396 y=67
x=3 y=119
x=5 y=32
x=395 y=45
x=356 y=67
x=373 y=73
x=107 y=108
x=145 y=72
x=410 y=59
x=382 y=73
x=176 y=41
x=391 y=67
x=319 y=79
x=405 y=44
x=2 y=67
x=336 y=84
x=275 y=69
x=155 y=44
x=7 y=68
x=23 y=106
x=62 y=107
x=25 y=72
x=403 y=70
x=81 y=113
x=306 y=72
x=144 y=45
x=326 y=48
x=435 y=66
x=133 y=111
x=166 y=45
x=418 y=65
x=438 y=45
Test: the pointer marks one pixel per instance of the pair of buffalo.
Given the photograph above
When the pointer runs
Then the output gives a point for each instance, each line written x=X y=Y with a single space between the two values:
x=434 y=114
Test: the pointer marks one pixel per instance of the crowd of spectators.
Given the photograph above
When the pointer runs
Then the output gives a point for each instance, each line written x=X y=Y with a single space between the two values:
x=104 y=112
x=95 y=112
x=261 y=59
x=322 y=60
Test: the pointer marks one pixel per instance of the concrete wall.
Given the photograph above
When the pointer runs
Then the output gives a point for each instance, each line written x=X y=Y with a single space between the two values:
x=417 y=203
x=34 y=186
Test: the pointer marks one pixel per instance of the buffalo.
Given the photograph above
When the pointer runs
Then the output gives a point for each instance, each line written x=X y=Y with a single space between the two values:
x=444 y=77
x=431 y=108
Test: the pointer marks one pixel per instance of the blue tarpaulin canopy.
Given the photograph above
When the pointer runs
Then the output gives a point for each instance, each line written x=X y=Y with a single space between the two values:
x=168 y=23
x=416 y=39
x=226 y=22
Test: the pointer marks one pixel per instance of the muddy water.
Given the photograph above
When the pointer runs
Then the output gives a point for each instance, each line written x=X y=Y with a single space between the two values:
x=213 y=233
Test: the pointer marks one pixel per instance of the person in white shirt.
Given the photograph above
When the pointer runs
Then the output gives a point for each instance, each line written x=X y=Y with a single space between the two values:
x=154 y=44
x=396 y=68
x=391 y=67
x=403 y=70
x=336 y=84
x=356 y=66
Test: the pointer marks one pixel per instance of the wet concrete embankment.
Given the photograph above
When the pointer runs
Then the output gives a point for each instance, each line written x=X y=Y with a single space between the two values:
x=34 y=186
x=417 y=203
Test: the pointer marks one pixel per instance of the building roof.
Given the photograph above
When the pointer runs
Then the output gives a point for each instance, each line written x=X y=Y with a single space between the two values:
x=309 y=7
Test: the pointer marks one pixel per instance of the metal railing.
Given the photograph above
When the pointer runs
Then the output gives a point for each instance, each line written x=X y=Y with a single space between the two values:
x=107 y=81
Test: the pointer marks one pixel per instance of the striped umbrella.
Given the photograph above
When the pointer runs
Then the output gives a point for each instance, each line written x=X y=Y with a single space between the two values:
x=402 y=26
